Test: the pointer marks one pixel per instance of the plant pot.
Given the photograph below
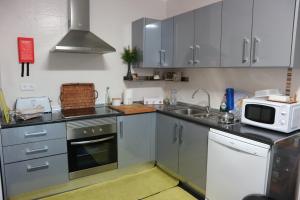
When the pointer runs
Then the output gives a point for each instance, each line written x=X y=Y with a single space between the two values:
x=129 y=74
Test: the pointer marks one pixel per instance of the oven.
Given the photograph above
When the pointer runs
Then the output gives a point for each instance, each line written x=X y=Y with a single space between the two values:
x=92 y=146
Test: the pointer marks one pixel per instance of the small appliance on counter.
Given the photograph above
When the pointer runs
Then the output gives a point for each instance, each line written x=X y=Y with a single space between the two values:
x=32 y=107
x=282 y=117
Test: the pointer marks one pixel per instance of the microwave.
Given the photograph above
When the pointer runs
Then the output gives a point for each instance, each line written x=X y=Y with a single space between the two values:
x=276 y=116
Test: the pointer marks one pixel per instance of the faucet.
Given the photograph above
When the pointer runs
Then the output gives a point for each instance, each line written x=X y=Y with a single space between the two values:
x=208 y=98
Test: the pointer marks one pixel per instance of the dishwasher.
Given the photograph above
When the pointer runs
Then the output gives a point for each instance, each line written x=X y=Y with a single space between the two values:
x=236 y=166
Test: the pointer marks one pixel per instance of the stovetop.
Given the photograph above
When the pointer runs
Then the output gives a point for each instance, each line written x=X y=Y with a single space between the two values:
x=84 y=112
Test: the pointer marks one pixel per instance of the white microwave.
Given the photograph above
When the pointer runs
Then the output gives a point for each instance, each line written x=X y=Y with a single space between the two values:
x=271 y=115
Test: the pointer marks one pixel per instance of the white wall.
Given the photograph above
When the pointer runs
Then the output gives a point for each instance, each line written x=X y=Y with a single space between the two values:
x=46 y=21
x=216 y=80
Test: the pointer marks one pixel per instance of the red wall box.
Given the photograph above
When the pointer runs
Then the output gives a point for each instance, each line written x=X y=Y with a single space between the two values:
x=26 y=50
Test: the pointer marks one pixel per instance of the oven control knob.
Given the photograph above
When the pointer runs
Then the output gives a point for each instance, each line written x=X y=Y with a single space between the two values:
x=282 y=122
x=93 y=130
x=84 y=132
x=100 y=129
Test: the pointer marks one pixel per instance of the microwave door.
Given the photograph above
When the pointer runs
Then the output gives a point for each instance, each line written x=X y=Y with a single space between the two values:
x=260 y=113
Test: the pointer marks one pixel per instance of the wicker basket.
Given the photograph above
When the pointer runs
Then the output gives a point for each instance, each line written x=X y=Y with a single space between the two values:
x=78 y=95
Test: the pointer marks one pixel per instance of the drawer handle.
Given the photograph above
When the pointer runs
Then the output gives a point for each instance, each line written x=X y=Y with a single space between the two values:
x=36 y=134
x=33 y=151
x=44 y=166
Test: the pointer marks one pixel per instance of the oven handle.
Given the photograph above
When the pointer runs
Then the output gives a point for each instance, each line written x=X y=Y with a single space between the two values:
x=93 y=141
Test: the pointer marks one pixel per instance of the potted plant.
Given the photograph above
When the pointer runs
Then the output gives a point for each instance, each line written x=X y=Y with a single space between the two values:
x=130 y=56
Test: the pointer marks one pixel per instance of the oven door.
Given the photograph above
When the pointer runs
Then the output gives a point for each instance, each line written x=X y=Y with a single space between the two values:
x=94 y=152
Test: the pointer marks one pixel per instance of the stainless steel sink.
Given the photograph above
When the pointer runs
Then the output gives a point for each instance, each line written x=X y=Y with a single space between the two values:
x=189 y=111
x=214 y=116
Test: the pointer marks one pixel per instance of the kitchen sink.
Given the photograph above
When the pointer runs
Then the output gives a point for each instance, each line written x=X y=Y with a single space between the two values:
x=189 y=111
x=214 y=116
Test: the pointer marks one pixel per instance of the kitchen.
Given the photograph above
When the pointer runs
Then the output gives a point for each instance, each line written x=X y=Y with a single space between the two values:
x=47 y=22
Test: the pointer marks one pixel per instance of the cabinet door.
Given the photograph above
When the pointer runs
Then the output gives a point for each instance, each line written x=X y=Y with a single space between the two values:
x=272 y=32
x=167 y=41
x=193 y=144
x=167 y=142
x=152 y=43
x=135 y=136
x=184 y=40
x=208 y=35
x=236 y=33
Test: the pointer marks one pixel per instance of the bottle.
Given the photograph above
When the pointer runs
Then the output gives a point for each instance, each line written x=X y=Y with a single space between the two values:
x=230 y=99
x=107 y=96
x=173 y=97
x=223 y=105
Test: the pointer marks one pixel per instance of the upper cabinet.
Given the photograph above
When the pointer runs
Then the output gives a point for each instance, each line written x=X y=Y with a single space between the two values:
x=198 y=37
x=272 y=33
x=257 y=33
x=167 y=42
x=236 y=33
x=208 y=35
x=184 y=40
x=146 y=37
x=230 y=33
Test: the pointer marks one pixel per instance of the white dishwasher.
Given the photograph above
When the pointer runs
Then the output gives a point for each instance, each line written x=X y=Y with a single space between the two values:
x=236 y=166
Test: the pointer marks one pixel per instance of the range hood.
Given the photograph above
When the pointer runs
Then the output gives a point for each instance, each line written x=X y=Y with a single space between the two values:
x=79 y=39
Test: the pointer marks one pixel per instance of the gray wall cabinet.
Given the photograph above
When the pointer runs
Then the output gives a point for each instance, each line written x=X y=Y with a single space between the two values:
x=257 y=33
x=272 y=32
x=136 y=139
x=184 y=40
x=236 y=33
x=182 y=149
x=167 y=42
x=207 y=47
x=34 y=157
x=146 y=37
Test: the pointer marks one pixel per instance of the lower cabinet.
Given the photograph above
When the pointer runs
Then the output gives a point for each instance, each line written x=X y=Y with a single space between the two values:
x=33 y=174
x=136 y=139
x=182 y=149
x=37 y=161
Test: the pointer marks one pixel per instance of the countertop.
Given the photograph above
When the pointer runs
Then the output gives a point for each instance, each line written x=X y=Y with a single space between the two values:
x=56 y=117
x=250 y=132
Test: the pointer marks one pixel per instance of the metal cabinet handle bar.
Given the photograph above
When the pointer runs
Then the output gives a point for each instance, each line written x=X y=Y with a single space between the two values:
x=31 y=168
x=198 y=53
x=93 y=141
x=193 y=52
x=245 y=46
x=255 y=47
x=121 y=129
x=175 y=133
x=180 y=134
x=36 y=134
x=33 y=151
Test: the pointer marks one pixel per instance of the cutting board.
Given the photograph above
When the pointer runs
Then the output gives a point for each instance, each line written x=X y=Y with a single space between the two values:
x=133 y=109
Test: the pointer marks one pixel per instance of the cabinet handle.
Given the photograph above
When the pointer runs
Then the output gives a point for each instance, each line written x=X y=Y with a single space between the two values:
x=164 y=51
x=40 y=167
x=255 y=47
x=36 y=134
x=245 y=47
x=197 y=51
x=160 y=58
x=175 y=133
x=192 y=51
x=180 y=134
x=163 y=57
x=33 y=151
x=121 y=129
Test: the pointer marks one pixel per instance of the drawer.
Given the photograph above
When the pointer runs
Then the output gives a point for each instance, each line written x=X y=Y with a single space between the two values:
x=37 y=133
x=36 y=174
x=34 y=150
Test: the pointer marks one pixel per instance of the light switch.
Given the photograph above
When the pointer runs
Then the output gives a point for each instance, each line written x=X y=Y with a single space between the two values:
x=27 y=87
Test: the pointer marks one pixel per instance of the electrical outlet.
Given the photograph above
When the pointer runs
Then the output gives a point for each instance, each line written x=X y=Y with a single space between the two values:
x=27 y=87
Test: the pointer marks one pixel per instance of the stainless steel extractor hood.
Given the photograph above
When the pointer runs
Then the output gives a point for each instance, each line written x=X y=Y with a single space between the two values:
x=79 y=39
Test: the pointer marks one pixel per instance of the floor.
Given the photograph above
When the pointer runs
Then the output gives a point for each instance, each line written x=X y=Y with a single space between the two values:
x=151 y=184
x=134 y=183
